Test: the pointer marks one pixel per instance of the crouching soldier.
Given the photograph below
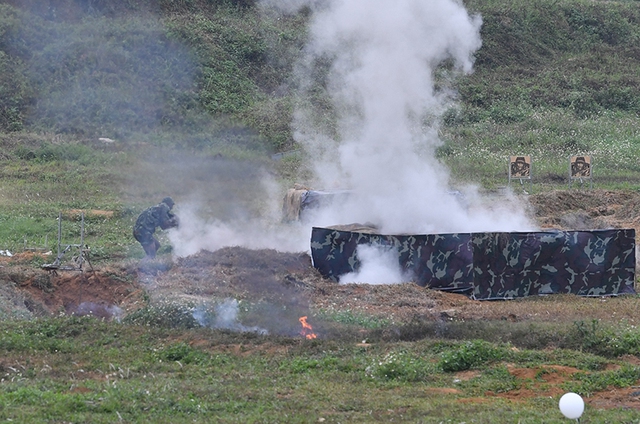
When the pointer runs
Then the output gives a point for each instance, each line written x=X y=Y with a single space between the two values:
x=151 y=218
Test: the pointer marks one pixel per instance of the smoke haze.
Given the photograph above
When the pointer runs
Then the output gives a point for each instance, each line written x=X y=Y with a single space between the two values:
x=378 y=265
x=225 y=318
x=377 y=62
x=198 y=233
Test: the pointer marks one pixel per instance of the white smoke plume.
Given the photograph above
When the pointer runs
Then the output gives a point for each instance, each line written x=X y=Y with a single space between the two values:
x=198 y=233
x=377 y=61
x=381 y=58
x=378 y=265
x=102 y=310
x=225 y=318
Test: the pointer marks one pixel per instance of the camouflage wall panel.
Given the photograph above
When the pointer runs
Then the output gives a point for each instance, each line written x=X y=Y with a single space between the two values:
x=585 y=263
x=438 y=261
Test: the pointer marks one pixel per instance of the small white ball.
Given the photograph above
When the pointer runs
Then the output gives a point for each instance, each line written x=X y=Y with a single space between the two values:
x=571 y=405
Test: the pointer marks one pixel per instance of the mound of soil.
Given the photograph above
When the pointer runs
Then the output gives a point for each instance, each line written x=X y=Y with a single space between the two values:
x=28 y=291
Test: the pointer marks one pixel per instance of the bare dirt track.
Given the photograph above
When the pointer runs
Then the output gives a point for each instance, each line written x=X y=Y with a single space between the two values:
x=285 y=286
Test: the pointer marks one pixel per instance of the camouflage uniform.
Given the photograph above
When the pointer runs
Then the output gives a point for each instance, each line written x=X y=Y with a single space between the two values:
x=147 y=222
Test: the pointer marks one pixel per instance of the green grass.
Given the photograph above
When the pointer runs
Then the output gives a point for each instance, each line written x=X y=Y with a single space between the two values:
x=82 y=369
x=360 y=320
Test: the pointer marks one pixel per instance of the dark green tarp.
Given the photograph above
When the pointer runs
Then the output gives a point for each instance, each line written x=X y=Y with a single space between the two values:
x=495 y=265
x=585 y=263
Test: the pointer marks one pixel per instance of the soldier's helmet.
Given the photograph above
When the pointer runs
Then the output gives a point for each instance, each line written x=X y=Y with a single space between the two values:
x=168 y=201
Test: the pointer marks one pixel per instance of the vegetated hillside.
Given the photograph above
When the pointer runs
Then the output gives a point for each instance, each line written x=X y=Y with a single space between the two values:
x=117 y=69
x=122 y=69
x=577 y=55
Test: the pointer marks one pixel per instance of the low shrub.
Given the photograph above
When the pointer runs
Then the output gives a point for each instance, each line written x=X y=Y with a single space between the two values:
x=168 y=315
x=471 y=354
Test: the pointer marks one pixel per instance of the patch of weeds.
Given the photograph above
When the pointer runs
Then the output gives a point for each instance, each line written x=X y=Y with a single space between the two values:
x=70 y=325
x=169 y=315
x=606 y=341
x=500 y=379
x=532 y=335
x=625 y=376
x=576 y=359
x=590 y=334
x=50 y=334
x=496 y=379
x=352 y=318
x=17 y=277
x=441 y=346
x=416 y=329
x=521 y=334
x=43 y=282
x=126 y=278
x=401 y=366
x=183 y=353
x=529 y=357
x=38 y=260
x=301 y=365
x=471 y=354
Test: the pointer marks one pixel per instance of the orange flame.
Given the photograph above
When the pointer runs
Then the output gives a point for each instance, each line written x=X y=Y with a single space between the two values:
x=307 y=330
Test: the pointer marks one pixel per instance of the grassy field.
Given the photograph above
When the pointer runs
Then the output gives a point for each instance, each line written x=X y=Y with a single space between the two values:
x=173 y=82
x=83 y=370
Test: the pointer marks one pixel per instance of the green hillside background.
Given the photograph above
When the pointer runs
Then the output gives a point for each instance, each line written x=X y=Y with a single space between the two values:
x=214 y=79
x=552 y=78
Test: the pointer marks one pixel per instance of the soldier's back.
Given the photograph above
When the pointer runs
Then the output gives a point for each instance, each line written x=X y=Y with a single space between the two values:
x=147 y=220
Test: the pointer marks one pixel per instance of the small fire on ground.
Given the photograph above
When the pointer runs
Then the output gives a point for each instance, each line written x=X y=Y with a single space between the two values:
x=307 y=330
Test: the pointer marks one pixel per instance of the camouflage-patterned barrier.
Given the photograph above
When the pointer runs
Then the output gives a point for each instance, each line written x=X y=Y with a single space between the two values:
x=439 y=261
x=495 y=265
x=585 y=263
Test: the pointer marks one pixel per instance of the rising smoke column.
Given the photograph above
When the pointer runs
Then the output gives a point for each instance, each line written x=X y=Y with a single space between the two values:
x=377 y=60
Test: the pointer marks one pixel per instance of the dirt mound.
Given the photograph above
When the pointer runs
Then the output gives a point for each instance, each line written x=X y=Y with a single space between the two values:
x=256 y=275
x=31 y=291
x=587 y=209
